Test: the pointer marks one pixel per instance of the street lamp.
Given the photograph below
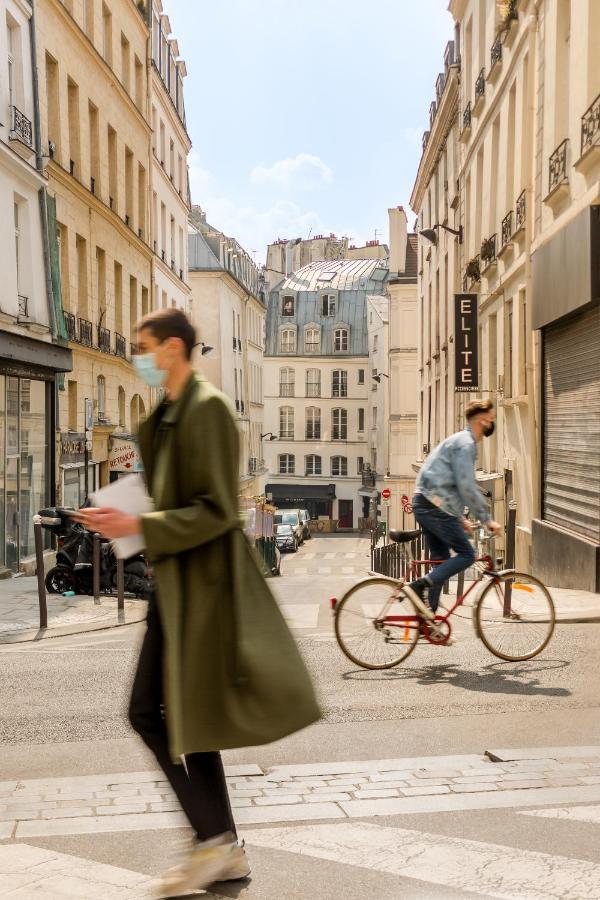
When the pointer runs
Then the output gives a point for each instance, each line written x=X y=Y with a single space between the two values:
x=430 y=234
x=270 y=435
x=205 y=348
x=379 y=376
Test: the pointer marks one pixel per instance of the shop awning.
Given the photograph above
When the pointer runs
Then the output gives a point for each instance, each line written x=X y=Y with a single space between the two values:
x=300 y=491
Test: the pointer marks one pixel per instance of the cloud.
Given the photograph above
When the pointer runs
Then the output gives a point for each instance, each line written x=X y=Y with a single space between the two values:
x=303 y=171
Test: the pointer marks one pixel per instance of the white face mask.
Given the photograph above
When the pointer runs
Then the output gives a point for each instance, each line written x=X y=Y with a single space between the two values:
x=146 y=368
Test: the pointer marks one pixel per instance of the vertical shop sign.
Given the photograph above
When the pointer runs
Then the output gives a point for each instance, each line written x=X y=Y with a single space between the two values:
x=465 y=342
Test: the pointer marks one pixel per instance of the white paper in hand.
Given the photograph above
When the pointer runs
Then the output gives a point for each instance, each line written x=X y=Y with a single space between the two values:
x=129 y=495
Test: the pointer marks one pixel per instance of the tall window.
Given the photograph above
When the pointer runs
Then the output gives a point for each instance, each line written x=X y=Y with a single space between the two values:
x=286 y=422
x=288 y=340
x=313 y=465
x=313 y=423
x=287 y=306
x=125 y=63
x=107 y=34
x=339 y=423
x=339 y=387
x=287 y=386
x=341 y=340
x=361 y=419
x=122 y=407
x=312 y=340
x=328 y=305
x=11 y=46
x=360 y=461
x=339 y=465
x=287 y=463
x=101 y=398
x=18 y=252
x=313 y=382
x=361 y=376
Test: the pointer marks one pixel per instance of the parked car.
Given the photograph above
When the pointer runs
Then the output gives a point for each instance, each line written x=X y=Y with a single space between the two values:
x=305 y=519
x=290 y=517
x=285 y=538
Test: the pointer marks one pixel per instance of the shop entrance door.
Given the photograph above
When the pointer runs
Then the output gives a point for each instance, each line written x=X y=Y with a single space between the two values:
x=346 y=514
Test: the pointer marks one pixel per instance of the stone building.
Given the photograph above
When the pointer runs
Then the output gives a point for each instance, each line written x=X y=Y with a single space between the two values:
x=96 y=141
x=228 y=309
x=33 y=357
x=317 y=389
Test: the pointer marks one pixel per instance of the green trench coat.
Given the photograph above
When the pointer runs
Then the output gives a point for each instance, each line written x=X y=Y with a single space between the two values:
x=233 y=676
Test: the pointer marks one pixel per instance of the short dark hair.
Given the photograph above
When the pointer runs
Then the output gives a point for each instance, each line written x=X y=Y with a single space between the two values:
x=167 y=323
x=476 y=407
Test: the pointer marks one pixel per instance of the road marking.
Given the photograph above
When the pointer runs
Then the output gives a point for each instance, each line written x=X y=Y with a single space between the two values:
x=301 y=615
x=27 y=871
x=492 y=870
x=573 y=813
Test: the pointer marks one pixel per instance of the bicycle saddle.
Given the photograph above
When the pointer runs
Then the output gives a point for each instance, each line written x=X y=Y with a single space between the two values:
x=402 y=537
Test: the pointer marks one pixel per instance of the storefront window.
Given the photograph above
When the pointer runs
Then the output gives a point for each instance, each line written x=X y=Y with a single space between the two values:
x=33 y=454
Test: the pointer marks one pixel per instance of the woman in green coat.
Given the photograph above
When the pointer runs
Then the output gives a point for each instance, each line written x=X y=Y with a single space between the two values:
x=217 y=654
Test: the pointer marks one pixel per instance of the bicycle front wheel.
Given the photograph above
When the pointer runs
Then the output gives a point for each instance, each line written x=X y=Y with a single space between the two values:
x=374 y=626
x=515 y=616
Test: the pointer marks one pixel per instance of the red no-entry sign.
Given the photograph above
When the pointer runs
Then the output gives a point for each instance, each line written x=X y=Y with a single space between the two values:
x=386 y=493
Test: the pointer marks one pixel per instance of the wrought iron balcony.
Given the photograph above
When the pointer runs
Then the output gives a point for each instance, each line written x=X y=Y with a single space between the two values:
x=368 y=478
x=488 y=250
x=496 y=52
x=23 y=306
x=71 y=326
x=234 y=343
x=521 y=211
x=467 y=116
x=590 y=126
x=480 y=87
x=120 y=346
x=473 y=270
x=20 y=127
x=557 y=169
x=103 y=339
x=507 y=229
x=85 y=332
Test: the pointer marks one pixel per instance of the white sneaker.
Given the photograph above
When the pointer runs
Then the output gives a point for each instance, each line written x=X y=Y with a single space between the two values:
x=202 y=867
x=239 y=866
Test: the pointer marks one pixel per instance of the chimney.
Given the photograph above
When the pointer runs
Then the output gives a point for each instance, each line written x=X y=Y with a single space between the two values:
x=197 y=216
x=398 y=239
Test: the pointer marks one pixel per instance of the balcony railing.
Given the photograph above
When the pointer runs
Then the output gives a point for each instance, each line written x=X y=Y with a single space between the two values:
x=480 y=86
x=23 y=307
x=103 y=339
x=496 y=52
x=590 y=126
x=557 y=169
x=85 y=332
x=467 y=116
x=313 y=390
x=286 y=390
x=313 y=432
x=521 y=211
x=473 y=270
x=20 y=127
x=120 y=346
x=507 y=229
x=71 y=326
x=235 y=343
x=488 y=250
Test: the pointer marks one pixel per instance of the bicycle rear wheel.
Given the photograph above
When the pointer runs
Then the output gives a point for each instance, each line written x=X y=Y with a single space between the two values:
x=373 y=628
x=515 y=616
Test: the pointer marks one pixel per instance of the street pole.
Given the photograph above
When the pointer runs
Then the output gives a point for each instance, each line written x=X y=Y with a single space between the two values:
x=89 y=424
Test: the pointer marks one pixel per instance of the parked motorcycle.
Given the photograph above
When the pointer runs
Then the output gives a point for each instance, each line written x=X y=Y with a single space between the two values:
x=74 y=560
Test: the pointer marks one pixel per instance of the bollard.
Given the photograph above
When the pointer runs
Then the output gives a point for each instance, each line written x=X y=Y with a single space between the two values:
x=39 y=560
x=120 y=584
x=511 y=529
x=460 y=587
x=96 y=569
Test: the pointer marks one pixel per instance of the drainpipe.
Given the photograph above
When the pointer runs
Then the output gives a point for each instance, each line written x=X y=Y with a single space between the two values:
x=39 y=164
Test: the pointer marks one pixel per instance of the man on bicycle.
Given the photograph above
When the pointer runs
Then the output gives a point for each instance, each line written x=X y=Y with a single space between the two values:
x=445 y=486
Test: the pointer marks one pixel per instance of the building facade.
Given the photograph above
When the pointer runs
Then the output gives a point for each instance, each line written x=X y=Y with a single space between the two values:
x=168 y=171
x=317 y=389
x=96 y=138
x=33 y=357
x=228 y=309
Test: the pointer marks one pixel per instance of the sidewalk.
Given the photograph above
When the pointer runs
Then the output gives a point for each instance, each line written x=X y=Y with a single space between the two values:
x=19 y=612
x=572 y=607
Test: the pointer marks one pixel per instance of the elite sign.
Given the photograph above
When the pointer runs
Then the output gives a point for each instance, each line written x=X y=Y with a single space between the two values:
x=465 y=342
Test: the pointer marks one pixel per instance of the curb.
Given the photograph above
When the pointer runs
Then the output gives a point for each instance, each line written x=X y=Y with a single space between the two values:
x=127 y=617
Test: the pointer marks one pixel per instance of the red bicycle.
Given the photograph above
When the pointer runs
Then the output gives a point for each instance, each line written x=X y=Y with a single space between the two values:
x=377 y=625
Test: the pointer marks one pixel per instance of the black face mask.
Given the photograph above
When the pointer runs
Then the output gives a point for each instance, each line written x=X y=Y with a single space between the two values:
x=489 y=429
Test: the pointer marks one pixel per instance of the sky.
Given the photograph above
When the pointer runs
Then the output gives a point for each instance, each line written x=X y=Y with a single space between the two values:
x=306 y=117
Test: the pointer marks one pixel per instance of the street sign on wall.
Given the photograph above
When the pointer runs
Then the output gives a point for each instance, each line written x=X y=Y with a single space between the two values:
x=465 y=342
x=386 y=493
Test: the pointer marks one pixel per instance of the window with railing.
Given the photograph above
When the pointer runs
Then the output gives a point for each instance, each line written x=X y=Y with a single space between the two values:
x=507 y=228
x=71 y=326
x=286 y=423
x=480 y=86
x=339 y=465
x=287 y=463
x=85 y=332
x=120 y=346
x=20 y=127
x=520 y=211
x=339 y=424
x=313 y=465
x=339 y=383
x=103 y=339
x=313 y=423
x=496 y=52
x=101 y=386
x=312 y=340
x=287 y=382
x=467 y=116
x=488 y=250
x=590 y=126
x=288 y=341
x=313 y=383
x=557 y=167
x=341 y=340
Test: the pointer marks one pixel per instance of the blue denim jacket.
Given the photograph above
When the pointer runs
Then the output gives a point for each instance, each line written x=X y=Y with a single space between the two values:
x=447 y=477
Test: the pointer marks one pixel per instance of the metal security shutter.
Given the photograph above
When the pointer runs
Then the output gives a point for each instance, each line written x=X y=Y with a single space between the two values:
x=571 y=476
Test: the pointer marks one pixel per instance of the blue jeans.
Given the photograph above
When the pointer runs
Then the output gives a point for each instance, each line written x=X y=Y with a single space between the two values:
x=443 y=533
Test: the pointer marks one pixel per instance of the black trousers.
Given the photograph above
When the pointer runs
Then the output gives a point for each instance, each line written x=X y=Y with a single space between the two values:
x=200 y=785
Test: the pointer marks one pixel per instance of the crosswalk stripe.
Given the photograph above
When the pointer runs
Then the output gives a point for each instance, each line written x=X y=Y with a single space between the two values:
x=492 y=870
x=573 y=813
x=301 y=615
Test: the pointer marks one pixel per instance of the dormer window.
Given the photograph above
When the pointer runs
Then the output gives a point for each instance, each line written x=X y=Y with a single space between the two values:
x=341 y=340
x=287 y=306
x=328 y=305
x=312 y=340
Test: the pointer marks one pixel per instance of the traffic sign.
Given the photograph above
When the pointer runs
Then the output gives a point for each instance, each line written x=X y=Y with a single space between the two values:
x=386 y=493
